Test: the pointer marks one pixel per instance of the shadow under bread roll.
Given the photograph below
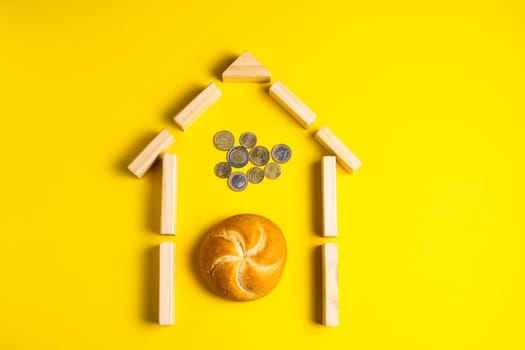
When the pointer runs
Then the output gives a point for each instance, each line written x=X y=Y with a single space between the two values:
x=243 y=257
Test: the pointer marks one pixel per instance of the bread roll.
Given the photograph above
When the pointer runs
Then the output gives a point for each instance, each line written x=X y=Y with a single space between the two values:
x=243 y=257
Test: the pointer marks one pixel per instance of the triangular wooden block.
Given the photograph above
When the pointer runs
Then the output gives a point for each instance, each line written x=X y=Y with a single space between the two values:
x=246 y=69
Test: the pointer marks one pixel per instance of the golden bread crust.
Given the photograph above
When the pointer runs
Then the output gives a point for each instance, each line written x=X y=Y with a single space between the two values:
x=243 y=257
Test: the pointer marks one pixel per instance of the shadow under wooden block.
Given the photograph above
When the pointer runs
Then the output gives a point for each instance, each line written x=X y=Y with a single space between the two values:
x=316 y=198
x=317 y=285
x=150 y=284
x=153 y=198
x=222 y=65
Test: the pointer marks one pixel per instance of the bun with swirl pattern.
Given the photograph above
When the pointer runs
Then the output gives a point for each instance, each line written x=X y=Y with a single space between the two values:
x=243 y=257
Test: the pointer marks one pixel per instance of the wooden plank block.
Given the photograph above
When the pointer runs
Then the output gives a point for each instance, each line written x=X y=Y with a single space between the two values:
x=330 y=285
x=140 y=165
x=189 y=114
x=167 y=284
x=246 y=69
x=169 y=194
x=329 y=196
x=292 y=104
x=335 y=146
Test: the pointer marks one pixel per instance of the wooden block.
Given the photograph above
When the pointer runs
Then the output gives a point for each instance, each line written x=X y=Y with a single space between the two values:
x=335 y=146
x=140 y=165
x=167 y=284
x=197 y=106
x=330 y=285
x=169 y=194
x=329 y=196
x=246 y=69
x=292 y=104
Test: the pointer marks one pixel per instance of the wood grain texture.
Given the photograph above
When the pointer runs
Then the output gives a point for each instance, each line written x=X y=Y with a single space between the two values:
x=246 y=69
x=168 y=214
x=193 y=110
x=167 y=284
x=284 y=97
x=329 y=196
x=141 y=164
x=334 y=145
x=330 y=285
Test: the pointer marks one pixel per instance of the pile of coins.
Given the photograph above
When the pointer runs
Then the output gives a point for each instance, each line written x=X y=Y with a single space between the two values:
x=248 y=152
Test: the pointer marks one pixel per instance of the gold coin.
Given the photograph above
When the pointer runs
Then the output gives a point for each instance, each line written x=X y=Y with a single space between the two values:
x=223 y=140
x=223 y=170
x=260 y=155
x=255 y=175
x=248 y=139
x=272 y=171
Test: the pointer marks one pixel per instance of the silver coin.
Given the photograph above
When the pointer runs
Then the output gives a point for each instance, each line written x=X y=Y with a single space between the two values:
x=223 y=140
x=223 y=170
x=272 y=171
x=260 y=155
x=248 y=139
x=255 y=175
x=281 y=153
x=238 y=157
x=237 y=182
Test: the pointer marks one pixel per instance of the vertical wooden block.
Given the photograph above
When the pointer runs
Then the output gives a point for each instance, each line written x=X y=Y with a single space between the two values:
x=330 y=285
x=292 y=104
x=335 y=146
x=197 y=106
x=246 y=69
x=167 y=284
x=169 y=194
x=329 y=196
x=140 y=165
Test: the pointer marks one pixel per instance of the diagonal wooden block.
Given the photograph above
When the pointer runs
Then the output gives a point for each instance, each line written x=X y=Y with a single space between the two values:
x=141 y=164
x=334 y=145
x=330 y=285
x=286 y=99
x=193 y=110
x=246 y=69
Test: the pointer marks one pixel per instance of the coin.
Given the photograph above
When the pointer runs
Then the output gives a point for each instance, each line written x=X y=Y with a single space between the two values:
x=255 y=175
x=272 y=171
x=237 y=157
x=248 y=139
x=223 y=140
x=237 y=182
x=223 y=170
x=281 y=153
x=260 y=155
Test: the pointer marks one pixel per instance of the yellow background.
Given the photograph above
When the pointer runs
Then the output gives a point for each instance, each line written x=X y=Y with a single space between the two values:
x=428 y=94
